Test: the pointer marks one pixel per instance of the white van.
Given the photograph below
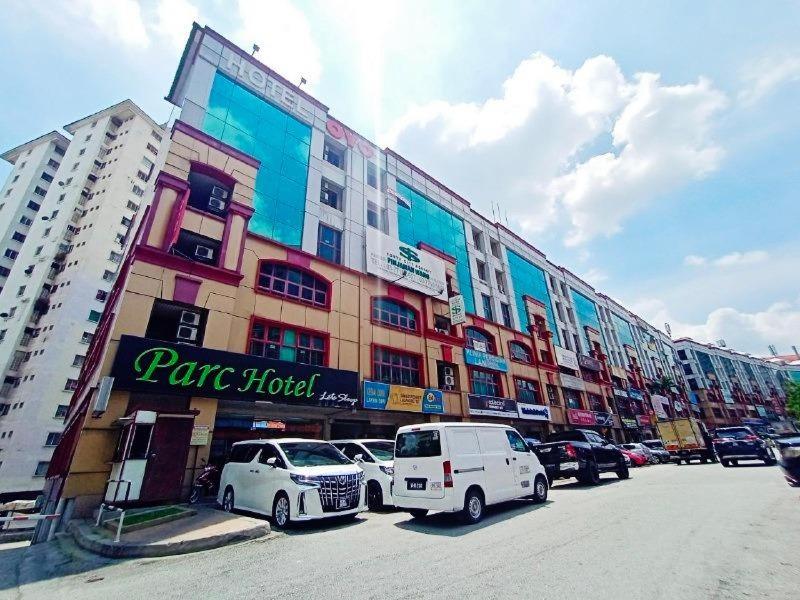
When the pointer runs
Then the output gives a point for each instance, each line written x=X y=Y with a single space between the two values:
x=291 y=480
x=463 y=467
x=375 y=457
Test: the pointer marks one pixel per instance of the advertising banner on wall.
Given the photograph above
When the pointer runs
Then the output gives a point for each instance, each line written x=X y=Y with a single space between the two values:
x=643 y=420
x=476 y=358
x=660 y=404
x=629 y=422
x=620 y=392
x=572 y=382
x=588 y=362
x=158 y=367
x=533 y=412
x=383 y=396
x=405 y=265
x=491 y=406
x=635 y=394
x=590 y=417
x=458 y=312
x=566 y=358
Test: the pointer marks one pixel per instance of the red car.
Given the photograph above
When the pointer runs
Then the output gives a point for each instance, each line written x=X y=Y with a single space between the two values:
x=637 y=459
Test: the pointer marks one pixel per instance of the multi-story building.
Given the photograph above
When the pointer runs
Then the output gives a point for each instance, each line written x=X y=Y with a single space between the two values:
x=67 y=209
x=728 y=386
x=291 y=278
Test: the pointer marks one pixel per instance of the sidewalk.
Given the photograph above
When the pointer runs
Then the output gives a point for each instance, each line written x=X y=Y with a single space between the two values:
x=208 y=529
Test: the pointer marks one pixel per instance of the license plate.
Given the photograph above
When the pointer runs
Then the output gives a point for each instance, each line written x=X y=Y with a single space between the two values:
x=342 y=502
x=416 y=484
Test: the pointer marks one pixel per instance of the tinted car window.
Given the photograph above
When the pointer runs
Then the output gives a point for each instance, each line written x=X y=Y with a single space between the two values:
x=243 y=453
x=517 y=443
x=567 y=436
x=653 y=444
x=269 y=451
x=313 y=454
x=418 y=444
x=736 y=433
x=381 y=450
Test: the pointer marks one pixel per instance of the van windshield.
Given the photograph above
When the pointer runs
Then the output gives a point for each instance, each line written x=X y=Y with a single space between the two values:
x=313 y=454
x=418 y=444
x=381 y=450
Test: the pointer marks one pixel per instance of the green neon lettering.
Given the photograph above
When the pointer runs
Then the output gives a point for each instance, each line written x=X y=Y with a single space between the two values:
x=288 y=383
x=300 y=388
x=275 y=389
x=218 y=385
x=311 y=382
x=155 y=356
x=253 y=377
x=182 y=374
x=205 y=371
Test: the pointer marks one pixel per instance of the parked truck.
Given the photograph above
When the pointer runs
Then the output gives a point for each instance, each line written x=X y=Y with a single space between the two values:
x=580 y=453
x=686 y=439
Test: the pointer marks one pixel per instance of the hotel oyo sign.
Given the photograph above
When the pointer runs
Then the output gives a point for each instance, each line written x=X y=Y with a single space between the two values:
x=158 y=367
x=353 y=140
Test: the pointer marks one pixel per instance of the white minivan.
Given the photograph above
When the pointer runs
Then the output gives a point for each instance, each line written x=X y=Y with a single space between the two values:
x=375 y=457
x=463 y=467
x=291 y=479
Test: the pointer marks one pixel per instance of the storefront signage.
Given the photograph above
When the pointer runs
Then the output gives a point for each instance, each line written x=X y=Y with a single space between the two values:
x=587 y=362
x=491 y=406
x=199 y=435
x=353 y=140
x=659 y=405
x=572 y=382
x=590 y=417
x=476 y=358
x=533 y=412
x=458 y=312
x=643 y=420
x=405 y=265
x=635 y=394
x=158 y=367
x=383 y=396
x=620 y=392
x=629 y=422
x=566 y=358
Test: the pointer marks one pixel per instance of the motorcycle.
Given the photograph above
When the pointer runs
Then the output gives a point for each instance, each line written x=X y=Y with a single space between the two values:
x=205 y=484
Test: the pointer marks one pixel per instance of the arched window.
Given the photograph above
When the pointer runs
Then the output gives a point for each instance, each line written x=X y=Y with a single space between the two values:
x=478 y=339
x=292 y=282
x=394 y=314
x=520 y=352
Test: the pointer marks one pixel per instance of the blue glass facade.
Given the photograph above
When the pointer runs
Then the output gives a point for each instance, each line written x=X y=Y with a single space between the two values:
x=624 y=332
x=706 y=366
x=425 y=221
x=586 y=315
x=528 y=280
x=282 y=143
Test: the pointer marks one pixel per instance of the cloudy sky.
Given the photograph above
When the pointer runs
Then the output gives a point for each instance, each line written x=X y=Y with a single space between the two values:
x=653 y=148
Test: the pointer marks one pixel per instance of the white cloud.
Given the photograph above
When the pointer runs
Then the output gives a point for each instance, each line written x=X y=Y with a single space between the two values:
x=734 y=259
x=518 y=148
x=763 y=77
x=752 y=332
x=119 y=19
x=594 y=276
x=284 y=37
x=174 y=20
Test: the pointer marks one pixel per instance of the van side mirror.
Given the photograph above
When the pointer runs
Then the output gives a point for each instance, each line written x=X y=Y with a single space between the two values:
x=272 y=462
x=359 y=458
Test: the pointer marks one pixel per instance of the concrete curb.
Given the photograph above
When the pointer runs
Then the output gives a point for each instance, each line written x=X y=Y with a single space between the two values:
x=87 y=539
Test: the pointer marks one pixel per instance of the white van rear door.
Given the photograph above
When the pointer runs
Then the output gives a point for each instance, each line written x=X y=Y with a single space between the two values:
x=498 y=473
x=418 y=464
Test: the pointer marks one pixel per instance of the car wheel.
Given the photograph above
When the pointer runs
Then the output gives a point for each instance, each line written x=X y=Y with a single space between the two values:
x=725 y=463
x=592 y=475
x=280 y=511
x=228 y=500
x=418 y=513
x=540 y=489
x=473 y=506
x=623 y=472
x=374 y=495
x=735 y=463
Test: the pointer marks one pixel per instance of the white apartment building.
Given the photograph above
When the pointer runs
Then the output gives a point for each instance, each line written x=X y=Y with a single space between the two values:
x=67 y=213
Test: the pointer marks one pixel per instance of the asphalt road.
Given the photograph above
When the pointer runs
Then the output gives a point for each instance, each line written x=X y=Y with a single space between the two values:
x=698 y=531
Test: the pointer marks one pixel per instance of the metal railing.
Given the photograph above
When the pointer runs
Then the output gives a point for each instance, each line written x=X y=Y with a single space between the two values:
x=111 y=506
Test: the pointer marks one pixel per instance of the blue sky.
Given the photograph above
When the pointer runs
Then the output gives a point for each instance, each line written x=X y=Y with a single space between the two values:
x=651 y=148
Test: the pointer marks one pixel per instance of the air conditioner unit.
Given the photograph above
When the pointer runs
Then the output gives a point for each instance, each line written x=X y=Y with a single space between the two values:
x=219 y=192
x=448 y=371
x=216 y=205
x=190 y=318
x=204 y=252
x=186 y=333
x=441 y=330
x=449 y=381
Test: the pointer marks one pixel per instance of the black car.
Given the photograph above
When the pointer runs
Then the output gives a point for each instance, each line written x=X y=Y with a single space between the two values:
x=733 y=444
x=580 y=453
x=789 y=448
